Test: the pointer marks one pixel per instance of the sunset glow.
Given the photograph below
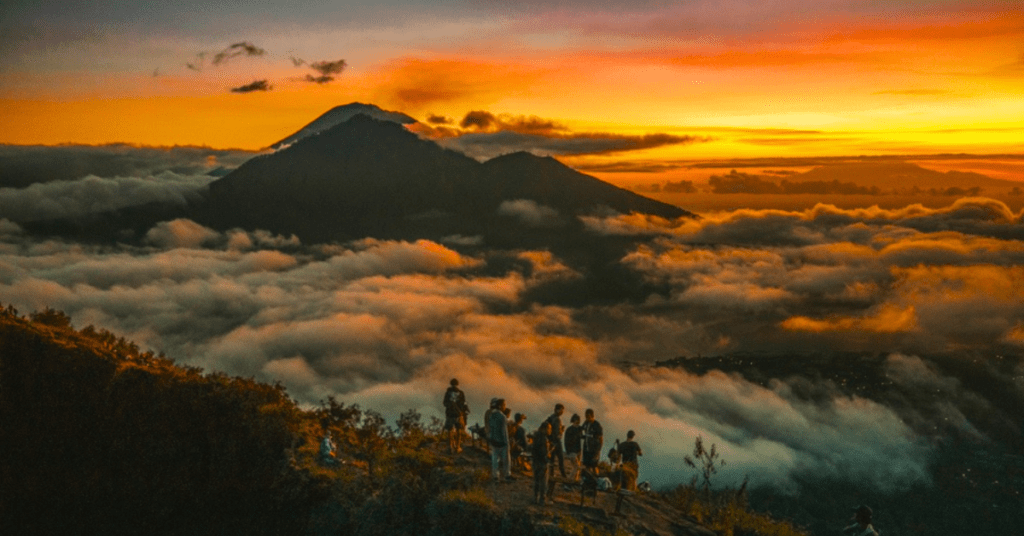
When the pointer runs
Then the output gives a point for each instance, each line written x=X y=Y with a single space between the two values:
x=799 y=78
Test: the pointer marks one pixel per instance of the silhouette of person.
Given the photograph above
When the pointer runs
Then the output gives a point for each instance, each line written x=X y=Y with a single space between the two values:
x=498 y=438
x=573 y=445
x=455 y=411
x=593 y=439
x=629 y=451
x=556 y=439
x=861 y=523
x=541 y=452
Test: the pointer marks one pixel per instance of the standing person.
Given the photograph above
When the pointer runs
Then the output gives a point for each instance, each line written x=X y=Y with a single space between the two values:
x=573 y=445
x=517 y=435
x=593 y=439
x=629 y=451
x=487 y=423
x=541 y=451
x=455 y=411
x=861 y=523
x=556 y=439
x=497 y=436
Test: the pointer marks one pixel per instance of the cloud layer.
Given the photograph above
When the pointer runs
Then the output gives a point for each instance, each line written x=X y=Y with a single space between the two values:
x=387 y=323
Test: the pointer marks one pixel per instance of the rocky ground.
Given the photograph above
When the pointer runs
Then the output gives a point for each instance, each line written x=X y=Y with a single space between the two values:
x=640 y=514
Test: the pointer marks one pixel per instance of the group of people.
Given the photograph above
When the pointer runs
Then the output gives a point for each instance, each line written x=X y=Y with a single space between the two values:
x=550 y=444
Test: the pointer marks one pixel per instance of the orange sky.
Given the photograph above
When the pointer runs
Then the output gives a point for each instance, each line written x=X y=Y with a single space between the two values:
x=808 y=78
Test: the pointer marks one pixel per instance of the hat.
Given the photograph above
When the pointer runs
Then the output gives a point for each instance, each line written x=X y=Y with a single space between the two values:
x=494 y=402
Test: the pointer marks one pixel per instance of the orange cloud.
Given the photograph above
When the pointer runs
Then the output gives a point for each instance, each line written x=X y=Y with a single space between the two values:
x=887 y=319
x=413 y=83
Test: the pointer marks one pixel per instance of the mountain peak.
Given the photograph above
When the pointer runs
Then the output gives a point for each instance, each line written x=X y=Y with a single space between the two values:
x=340 y=114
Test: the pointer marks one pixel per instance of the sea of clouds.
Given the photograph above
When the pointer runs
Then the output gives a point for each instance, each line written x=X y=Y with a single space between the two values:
x=386 y=324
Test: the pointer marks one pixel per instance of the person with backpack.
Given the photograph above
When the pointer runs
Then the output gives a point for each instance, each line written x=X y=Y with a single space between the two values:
x=455 y=411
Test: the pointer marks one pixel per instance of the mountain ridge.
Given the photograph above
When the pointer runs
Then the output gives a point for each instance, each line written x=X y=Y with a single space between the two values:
x=367 y=177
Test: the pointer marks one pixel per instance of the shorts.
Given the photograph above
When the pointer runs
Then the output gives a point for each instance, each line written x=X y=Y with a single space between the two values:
x=455 y=423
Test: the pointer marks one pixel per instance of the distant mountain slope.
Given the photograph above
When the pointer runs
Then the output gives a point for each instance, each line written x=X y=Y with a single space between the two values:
x=888 y=175
x=340 y=114
x=550 y=183
x=366 y=177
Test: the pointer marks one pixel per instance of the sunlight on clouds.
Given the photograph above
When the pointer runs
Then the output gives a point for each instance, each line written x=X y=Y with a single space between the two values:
x=888 y=319
x=387 y=323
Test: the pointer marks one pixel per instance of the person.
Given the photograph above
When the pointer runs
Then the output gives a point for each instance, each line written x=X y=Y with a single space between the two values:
x=861 y=523
x=498 y=438
x=556 y=439
x=455 y=412
x=517 y=434
x=593 y=439
x=487 y=423
x=328 y=455
x=541 y=451
x=573 y=443
x=629 y=451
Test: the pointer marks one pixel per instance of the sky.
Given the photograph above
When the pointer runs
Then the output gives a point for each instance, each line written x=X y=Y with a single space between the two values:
x=681 y=100
x=741 y=78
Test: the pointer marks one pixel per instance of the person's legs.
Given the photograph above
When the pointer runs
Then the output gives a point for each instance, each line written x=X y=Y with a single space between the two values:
x=495 y=460
x=558 y=453
x=540 y=483
x=506 y=462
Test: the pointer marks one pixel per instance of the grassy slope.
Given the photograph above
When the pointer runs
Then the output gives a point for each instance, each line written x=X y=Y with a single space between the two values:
x=97 y=437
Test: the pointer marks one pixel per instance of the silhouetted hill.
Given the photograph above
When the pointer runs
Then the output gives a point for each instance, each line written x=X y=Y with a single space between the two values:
x=102 y=438
x=550 y=183
x=340 y=114
x=366 y=177
x=900 y=175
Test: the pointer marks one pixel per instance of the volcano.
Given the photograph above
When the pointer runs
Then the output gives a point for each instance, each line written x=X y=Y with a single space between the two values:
x=366 y=177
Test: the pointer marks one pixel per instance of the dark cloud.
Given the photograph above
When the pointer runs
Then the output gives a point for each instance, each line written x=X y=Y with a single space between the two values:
x=490 y=144
x=258 y=85
x=747 y=183
x=484 y=135
x=434 y=119
x=243 y=48
x=629 y=166
x=327 y=70
x=198 y=64
x=24 y=165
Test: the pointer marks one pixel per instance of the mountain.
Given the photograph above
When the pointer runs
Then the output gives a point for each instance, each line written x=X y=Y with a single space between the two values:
x=367 y=177
x=340 y=114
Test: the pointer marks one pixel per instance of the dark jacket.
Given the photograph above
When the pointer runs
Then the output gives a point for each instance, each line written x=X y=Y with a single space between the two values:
x=573 y=438
x=541 y=450
x=455 y=403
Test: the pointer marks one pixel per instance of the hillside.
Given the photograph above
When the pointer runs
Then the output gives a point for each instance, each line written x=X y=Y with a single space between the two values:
x=102 y=438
